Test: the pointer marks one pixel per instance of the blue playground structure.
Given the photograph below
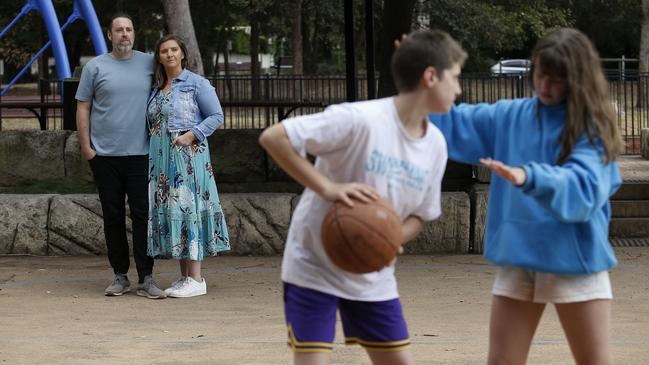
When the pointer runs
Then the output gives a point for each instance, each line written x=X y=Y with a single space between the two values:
x=82 y=9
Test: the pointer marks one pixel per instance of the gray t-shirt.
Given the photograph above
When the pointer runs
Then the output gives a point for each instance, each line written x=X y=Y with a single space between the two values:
x=118 y=91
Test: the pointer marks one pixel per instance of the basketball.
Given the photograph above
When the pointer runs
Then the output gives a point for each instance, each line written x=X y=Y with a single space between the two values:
x=361 y=239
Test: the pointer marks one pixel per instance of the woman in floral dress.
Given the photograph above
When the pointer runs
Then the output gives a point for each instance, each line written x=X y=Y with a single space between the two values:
x=186 y=220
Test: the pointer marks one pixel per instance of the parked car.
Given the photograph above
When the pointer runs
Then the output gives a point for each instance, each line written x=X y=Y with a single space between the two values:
x=509 y=67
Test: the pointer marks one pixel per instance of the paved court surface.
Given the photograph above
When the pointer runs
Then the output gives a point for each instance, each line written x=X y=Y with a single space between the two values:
x=52 y=311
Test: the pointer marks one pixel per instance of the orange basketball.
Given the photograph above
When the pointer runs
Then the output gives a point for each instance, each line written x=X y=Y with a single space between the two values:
x=361 y=239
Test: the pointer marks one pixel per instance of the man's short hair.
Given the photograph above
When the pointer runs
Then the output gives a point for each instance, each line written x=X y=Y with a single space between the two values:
x=109 y=26
x=421 y=49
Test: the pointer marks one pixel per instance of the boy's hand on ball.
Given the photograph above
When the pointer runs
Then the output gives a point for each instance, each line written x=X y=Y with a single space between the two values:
x=515 y=175
x=346 y=191
x=394 y=260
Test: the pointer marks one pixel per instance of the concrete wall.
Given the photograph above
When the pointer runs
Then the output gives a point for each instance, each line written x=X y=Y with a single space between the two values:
x=52 y=224
x=42 y=212
x=51 y=160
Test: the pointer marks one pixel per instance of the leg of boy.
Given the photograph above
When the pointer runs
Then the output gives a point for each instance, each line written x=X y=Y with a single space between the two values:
x=586 y=325
x=311 y=358
x=513 y=323
x=311 y=324
x=403 y=357
x=380 y=328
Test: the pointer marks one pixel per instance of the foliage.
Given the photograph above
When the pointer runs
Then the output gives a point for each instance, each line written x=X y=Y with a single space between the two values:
x=488 y=29
x=491 y=30
x=613 y=25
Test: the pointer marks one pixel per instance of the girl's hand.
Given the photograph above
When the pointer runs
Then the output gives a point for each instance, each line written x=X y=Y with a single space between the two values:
x=515 y=175
x=346 y=191
x=185 y=139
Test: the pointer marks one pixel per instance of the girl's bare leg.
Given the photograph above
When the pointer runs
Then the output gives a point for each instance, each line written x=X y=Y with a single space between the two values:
x=512 y=327
x=586 y=325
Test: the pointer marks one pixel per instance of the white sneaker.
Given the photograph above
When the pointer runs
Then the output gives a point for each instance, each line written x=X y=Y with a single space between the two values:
x=189 y=288
x=176 y=284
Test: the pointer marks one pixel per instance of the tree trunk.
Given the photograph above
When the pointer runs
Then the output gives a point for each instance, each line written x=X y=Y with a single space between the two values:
x=397 y=19
x=643 y=67
x=226 y=61
x=298 y=68
x=308 y=47
x=179 y=22
x=44 y=65
x=254 y=56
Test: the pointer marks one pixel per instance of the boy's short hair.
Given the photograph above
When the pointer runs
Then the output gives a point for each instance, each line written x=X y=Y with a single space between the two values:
x=421 y=49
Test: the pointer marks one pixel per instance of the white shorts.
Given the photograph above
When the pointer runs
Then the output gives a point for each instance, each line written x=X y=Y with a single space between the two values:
x=538 y=287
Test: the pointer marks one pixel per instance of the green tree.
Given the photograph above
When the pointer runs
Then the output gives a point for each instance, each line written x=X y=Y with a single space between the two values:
x=612 y=25
x=491 y=30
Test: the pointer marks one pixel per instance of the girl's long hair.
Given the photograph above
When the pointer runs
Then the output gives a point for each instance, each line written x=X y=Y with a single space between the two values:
x=568 y=54
x=159 y=74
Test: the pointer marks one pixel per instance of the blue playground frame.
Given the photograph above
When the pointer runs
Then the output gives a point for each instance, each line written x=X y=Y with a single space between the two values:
x=82 y=9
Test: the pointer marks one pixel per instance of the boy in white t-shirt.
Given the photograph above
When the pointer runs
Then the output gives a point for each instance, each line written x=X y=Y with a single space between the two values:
x=383 y=147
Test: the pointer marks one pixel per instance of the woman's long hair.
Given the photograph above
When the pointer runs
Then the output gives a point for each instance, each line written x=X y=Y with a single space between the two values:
x=159 y=74
x=568 y=54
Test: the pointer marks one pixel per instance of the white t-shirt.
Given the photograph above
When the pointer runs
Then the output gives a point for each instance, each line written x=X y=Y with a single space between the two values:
x=360 y=142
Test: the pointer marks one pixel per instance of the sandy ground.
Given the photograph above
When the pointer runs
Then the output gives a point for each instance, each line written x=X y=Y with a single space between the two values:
x=53 y=312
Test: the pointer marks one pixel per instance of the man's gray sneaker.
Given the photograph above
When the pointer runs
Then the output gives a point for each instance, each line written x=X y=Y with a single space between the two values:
x=150 y=289
x=119 y=286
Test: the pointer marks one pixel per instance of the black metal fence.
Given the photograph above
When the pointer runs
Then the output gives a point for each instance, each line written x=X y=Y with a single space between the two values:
x=268 y=89
x=31 y=105
x=260 y=102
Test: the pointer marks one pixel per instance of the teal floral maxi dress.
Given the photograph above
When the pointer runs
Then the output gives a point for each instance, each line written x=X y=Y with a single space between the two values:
x=185 y=215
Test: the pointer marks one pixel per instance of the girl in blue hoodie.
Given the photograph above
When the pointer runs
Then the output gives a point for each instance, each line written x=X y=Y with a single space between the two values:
x=554 y=170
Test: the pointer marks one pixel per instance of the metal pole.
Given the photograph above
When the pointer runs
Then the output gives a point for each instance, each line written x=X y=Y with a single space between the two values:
x=90 y=16
x=54 y=31
x=350 y=59
x=369 y=49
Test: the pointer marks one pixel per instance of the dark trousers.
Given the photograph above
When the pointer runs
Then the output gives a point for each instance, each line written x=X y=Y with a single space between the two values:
x=116 y=178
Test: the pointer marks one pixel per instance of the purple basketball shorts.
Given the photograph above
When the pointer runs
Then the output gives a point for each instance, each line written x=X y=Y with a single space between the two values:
x=311 y=321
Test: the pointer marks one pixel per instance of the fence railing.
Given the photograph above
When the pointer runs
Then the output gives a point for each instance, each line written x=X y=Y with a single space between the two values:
x=259 y=102
x=40 y=101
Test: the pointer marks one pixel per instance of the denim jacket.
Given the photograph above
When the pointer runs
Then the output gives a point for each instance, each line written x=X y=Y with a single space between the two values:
x=195 y=105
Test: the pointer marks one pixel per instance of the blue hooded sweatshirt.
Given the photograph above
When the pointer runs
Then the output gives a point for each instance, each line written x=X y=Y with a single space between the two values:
x=557 y=222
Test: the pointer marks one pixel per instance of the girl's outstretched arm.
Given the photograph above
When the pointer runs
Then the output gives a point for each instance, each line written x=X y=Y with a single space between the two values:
x=469 y=130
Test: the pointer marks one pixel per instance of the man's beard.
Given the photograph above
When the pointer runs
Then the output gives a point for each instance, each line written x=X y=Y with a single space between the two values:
x=125 y=48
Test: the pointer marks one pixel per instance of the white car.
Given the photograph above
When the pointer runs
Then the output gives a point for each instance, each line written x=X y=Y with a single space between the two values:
x=511 y=67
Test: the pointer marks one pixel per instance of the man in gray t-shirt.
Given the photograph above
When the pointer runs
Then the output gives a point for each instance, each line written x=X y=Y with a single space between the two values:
x=111 y=105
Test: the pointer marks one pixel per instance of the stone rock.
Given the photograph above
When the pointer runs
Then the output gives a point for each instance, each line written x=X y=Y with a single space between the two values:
x=76 y=225
x=257 y=223
x=644 y=143
x=28 y=156
x=482 y=174
x=23 y=223
x=76 y=167
x=479 y=198
x=450 y=232
x=236 y=156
